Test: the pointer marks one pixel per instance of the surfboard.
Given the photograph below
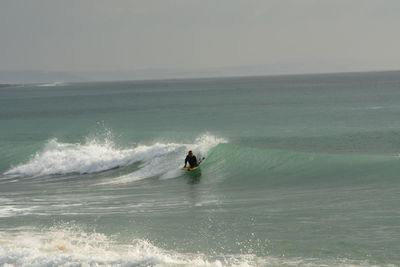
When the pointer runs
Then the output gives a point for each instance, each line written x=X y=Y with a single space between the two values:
x=189 y=169
x=194 y=168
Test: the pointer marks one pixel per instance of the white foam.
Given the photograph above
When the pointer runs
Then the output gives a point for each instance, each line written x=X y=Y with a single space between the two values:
x=51 y=84
x=68 y=245
x=94 y=156
x=155 y=161
x=61 y=158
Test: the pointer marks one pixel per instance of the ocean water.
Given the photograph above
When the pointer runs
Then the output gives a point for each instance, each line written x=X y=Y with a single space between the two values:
x=299 y=171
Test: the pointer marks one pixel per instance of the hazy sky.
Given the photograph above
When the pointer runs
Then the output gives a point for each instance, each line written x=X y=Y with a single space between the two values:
x=103 y=35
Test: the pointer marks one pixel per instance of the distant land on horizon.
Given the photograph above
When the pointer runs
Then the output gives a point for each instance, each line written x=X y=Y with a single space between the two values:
x=8 y=77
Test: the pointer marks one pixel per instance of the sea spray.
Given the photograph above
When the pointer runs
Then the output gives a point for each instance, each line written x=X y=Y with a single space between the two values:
x=63 y=158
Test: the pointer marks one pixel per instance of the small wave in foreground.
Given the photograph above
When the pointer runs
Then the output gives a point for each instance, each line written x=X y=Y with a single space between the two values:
x=69 y=245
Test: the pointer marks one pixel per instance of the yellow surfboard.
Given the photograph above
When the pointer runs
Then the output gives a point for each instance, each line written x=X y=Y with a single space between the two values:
x=194 y=168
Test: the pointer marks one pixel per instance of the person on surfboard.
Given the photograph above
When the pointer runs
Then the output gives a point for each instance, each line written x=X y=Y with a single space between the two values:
x=191 y=159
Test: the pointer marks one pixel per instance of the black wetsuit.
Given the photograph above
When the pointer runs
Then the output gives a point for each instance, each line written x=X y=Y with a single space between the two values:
x=192 y=161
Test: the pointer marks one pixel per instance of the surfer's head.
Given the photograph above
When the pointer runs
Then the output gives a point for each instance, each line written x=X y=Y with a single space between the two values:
x=190 y=153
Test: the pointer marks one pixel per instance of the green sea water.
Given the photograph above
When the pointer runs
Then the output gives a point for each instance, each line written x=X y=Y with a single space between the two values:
x=300 y=171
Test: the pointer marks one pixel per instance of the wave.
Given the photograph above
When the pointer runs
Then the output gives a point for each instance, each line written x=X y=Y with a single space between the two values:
x=70 y=245
x=51 y=84
x=234 y=162
x=225 y=160
x=96 y=156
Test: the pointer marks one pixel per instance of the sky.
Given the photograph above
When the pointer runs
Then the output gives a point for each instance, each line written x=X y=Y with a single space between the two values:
x=288 y=36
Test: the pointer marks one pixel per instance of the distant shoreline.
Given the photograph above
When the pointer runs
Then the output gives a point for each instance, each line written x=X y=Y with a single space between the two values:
x=13 y=78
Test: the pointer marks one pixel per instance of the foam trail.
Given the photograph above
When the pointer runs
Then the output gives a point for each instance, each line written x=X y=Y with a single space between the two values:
x=155 y=162
x=51 y=84
x=166 y=159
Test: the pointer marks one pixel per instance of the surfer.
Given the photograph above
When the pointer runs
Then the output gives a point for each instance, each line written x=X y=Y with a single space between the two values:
x=191 y=159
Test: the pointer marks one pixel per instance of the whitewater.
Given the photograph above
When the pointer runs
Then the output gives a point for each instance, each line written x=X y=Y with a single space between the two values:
x=299 y=171
x=94 y=156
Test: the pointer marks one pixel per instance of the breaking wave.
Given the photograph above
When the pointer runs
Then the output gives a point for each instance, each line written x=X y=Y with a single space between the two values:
x=70 y=245
x=97 y=156
x=51 y=84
